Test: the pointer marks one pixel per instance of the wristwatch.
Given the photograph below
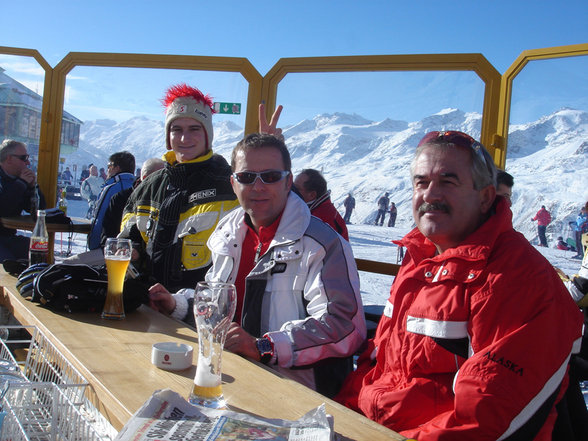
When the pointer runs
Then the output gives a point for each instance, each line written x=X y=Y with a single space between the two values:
x=265 y=348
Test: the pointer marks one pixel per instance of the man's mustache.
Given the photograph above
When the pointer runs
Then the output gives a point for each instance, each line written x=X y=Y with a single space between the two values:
x=425 y=207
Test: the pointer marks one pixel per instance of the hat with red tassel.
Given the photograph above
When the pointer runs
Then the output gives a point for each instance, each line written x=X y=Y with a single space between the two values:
x=183 y=101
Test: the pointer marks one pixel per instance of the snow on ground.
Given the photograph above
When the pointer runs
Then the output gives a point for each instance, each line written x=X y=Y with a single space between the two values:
x=368 y=242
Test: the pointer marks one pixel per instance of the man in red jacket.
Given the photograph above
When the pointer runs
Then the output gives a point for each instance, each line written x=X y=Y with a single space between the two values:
x=476 y=336
x=312 y=186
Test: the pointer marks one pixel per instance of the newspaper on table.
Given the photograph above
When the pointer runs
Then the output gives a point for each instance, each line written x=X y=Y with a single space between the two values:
x=168 y=416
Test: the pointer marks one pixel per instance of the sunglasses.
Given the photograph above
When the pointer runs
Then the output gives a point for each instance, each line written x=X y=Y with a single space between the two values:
x=267 y=177
x=23 y=158
x=456 y=138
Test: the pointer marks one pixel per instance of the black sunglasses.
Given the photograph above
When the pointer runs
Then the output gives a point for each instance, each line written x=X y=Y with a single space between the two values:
x=267 y=177
x=23 y=158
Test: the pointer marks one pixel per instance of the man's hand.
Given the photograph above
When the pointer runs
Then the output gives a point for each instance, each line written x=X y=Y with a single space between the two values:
x=270 y=128
x=161 y=300
x=240 y=342
x=28 y=176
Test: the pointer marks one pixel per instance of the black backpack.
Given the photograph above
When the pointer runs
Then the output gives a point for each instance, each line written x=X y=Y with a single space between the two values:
x=79 y=288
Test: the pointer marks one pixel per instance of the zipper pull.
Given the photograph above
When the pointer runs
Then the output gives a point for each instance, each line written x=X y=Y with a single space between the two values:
x=257 y=252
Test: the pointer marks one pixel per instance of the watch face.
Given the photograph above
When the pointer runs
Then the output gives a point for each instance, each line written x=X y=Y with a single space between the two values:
x=264 y=346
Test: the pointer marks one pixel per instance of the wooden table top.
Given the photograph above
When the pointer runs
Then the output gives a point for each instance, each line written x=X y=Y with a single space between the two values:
x=115 y=357
x=78 y=225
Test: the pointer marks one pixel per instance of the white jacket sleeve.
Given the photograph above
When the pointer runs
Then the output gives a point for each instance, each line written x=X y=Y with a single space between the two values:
x=335 y=326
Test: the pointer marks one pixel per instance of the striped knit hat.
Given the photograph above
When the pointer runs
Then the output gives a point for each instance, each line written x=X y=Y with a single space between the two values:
x=183 y=101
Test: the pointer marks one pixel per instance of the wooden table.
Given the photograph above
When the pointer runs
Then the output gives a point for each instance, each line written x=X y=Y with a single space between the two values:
x=77 y=225
x=115 y=357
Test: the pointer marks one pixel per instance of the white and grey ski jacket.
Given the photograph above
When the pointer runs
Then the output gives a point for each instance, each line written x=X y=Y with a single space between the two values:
x=303 y=293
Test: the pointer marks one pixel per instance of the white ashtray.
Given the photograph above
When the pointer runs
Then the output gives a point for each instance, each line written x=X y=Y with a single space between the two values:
x=172 y=356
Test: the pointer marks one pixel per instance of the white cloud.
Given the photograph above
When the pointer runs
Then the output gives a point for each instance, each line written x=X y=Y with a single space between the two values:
x=15 y=64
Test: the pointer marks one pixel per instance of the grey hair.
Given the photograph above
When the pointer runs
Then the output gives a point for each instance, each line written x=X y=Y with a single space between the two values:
x=151 y=165
x=8 y=147
x=482 y=165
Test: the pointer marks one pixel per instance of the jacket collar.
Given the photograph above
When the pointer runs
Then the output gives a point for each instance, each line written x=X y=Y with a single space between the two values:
x=294 y=222
x=124 y=176
x=313 y=204
x=170 y=157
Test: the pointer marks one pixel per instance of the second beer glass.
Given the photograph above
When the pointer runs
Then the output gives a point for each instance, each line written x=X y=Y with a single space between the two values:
x=214 y=308
x=117 y=254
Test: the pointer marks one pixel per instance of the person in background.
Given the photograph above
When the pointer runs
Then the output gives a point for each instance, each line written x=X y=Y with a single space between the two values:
x=349 y=204
x=451 y=359
x=299 y=307
x=543 y=218
x=114 y=212
x=66 y=176
x=561 y=245
x=113 y=216
x=103 y=174
x=84 y=173
x=580 y=228
x=393 y=214
x=17 y=193
x=92 y=186
x=121 y=166
x=504 y=185
x=312 y=186
x=170 y=217
x=383 y=203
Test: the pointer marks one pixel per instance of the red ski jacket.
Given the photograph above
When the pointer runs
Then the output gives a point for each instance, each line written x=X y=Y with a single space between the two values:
x=324 y=209
x=542 y=217
x=474 y=343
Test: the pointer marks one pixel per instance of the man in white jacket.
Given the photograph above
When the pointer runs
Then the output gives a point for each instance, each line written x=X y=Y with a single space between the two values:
x=91 y=187
x=299 y=307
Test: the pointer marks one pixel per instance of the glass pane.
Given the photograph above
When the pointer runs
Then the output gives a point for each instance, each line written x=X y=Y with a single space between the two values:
x=360 y=130
x=548 y=146
x=21 y=100
x=121 y=109
x=376 y=96
x=546 y=86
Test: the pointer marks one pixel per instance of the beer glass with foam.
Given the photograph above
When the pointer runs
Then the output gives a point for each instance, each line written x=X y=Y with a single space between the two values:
x=214 y=308
x=117 y=254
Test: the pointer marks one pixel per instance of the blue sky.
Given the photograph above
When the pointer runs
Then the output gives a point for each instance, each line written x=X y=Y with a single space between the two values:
x=265 y=31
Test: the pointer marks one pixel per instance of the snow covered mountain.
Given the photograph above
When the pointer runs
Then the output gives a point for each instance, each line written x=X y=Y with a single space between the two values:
x=548 y=158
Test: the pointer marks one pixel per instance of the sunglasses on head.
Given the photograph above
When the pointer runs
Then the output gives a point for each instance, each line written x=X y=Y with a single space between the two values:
x=23 y=158
x=456 y=138
x=267 y=177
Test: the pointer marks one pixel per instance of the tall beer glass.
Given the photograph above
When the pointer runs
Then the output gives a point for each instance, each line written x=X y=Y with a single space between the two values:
x=117 y=254
x=214 y=308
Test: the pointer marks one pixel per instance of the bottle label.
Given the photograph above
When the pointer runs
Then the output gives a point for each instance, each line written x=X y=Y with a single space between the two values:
x=39 y=246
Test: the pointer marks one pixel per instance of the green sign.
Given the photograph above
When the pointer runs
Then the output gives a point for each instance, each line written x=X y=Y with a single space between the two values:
x=228 y=108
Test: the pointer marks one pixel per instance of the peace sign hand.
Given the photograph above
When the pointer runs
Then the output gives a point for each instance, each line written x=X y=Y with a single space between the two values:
x=270 y=128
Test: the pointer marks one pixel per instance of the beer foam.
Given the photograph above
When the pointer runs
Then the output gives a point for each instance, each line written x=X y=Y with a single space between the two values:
x=204 y=376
